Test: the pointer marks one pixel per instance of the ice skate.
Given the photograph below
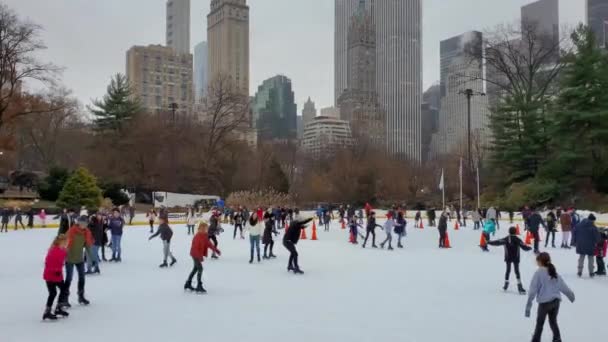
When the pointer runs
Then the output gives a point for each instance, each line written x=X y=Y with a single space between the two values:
x=199 y=289
x=272 y=256
x=49 y=315
x=82 y=300
x=173 y=261
x=506 y=286
x=297 y=270
x=64 y=305
x=61 y=312
x=374 y=246
x=214 y=256
x=521 y=289
x=163 y=265
x=188 y=286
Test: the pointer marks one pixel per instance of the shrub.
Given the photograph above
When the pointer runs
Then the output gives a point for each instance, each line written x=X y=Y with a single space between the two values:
x=80 y=190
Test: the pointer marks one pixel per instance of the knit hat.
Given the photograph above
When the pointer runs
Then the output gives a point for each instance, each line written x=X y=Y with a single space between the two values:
x=591 y=217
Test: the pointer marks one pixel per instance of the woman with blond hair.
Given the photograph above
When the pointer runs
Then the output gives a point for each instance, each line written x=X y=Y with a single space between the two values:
x=53 y=276
x=199 y=251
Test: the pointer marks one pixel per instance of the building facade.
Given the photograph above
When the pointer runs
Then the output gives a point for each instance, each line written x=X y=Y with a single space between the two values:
x=324 y=135
x=200 y=71
x=228 y=39
x=597 y=20
x=309 y=112
x=178 y=26
x=275 y=111
x=160 y=78
x=543 y=16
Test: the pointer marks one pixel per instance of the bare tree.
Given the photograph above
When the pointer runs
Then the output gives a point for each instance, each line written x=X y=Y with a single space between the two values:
x=19 y=43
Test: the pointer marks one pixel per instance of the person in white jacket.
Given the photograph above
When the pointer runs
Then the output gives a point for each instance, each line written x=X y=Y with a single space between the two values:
x=389 y=225
x=255 y=231
x=190 y=221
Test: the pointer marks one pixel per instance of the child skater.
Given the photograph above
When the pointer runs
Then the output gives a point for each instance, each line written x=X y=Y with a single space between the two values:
x=489 y=227
x=326 y=219
x=53 y=276
x=269 y=229
x=190 y=221
x=389 y=225
x=600 y=252
x=417 y=219
x=547 y=287
x=199 y=251
x=400 y=224
x=512 y=245
x=443 y=228
x=354 y=230
x=166 y=233
x=290 y=240
x=371 y=229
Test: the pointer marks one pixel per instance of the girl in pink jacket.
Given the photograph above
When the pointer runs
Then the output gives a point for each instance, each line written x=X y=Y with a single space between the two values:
x=53 y=275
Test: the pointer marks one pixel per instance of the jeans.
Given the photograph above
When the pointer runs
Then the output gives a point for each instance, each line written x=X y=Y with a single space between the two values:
x=550 y=309
x=373 y=233
x=167 y=251
x=197 y=270
x=254 y=241
x=581 y=262
x=69 y=274
x=190 y=229
x=552 y=233
x=239 y=227
x=93 y=260
x=476 y=225
x=116 y=250
x=389 y=239
x=293 y=255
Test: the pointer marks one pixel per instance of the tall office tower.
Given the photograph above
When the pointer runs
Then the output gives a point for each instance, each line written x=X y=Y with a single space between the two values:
x=178 y=26
x=274 y=110
x=399 y=73
x=200 y=71
x=459 y=73
x=309 y=112
x=228 y=39
x=359 y=101
x=543 y=16
x=597 y=20
x=160 y=78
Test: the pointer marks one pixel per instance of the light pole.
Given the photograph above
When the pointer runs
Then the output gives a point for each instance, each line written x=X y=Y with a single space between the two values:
x=469 y=93
x=174 y=107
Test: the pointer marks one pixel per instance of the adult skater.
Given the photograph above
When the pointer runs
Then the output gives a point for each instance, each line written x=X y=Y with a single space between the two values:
x=116 y=224
x=151 y=215
x=53 y=276
x=587 y=237
x=492 y=214
x=533 y=223
x=354 y=230
x=6 y=218
x=269 y=229
x=547 y=287
x=388 y=227
x=238 y=219
x=79 y=240
x=565 y=220
x=64 y=222
x=417 y=219
x=551 y=220
x=199 y=251
x=290 y=240
x=512 y=244
x=214 y=230
x=166 y=233
x=190 y=220
x=489 y=228
x=371 y=229
x=326 y=220
x=19 y=218
x=430 y=214
x=443 y=228
x=30 y=218
x=96 y=228
x=400 y=224
x=255 y=230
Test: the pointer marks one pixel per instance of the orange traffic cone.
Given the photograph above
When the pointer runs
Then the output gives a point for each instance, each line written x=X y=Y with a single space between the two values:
x=482 y=241
x=528 y=238
x=314 y=231
x=351 y=238
x=517 y=231
x=303 y=236
x=456 y=226
x=447 y=241
x=421 y=225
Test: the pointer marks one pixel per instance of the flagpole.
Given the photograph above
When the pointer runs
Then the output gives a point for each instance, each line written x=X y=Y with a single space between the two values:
x=460 y=171
x=442 y=191
x=478 y=198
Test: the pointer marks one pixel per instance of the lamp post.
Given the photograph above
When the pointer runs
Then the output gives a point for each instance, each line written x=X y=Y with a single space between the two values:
x=469 y=93
x=174 y=107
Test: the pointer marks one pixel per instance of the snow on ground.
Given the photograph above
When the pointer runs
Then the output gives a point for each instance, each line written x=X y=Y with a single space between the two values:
x=348 y=293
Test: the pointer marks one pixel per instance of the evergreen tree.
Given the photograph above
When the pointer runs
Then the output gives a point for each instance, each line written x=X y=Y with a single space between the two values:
x=277 y=178
x=52 y=185
x=580 y=122
x=80 y=190
x=117 y=107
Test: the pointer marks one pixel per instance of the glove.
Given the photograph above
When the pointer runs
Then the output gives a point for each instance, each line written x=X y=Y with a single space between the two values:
x=527 y=313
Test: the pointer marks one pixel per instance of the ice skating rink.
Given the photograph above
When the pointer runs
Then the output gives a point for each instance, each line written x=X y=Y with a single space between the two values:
x=416 y=294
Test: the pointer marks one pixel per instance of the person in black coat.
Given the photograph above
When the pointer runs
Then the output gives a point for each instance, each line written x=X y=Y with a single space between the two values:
x=269 y=229
x=551 y=228
x=66 y=220
x=587 y=237
x=96 y=228
x=512 y=245
x=30 y=218
x=290 y=240
x=430 y=214
x=6 y=218
x=443 y=228
x=371 y=229
x=533 y=223
x=214 y=230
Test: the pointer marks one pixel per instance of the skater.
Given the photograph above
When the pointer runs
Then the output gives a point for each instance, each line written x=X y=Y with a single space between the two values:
x=326 y=220
x=79 y=240
x=353 y=230
x=430 y=214
x=30 y=218
x=115 y=225
x=371 y=229
x=551 y=228
x=290 y=240
x=533 y=223
x=512 y=245
x=166 y=233
x=131 y=214
x=400 y=224
x=64 y=222
x=547 y=287
x=576 y=219
x=105 y=240
x=19 y=218
x=42 y=216
x=6 y=218
x=600 y=252
x=443 y=228
x=417 y=219
x=151 y=215
x=190 y=221
x=255 y=230
x=214 y=229
x=587 y=238
x=269 y=229
x=199 y=251
x=565 y=221
x=53 y=276
x=389 y=225
x=489 y=228
x=238 y=223
x=96 y=228
x=511 y=216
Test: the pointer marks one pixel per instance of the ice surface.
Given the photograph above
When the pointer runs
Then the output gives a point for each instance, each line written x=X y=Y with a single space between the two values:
x=420 y=293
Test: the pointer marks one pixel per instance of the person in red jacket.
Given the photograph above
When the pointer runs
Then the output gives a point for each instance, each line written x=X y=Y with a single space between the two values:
x=199 y=251
x=53 y=275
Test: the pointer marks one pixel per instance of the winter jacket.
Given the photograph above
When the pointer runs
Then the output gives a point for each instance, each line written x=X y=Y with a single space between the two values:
x=431 y=215
x=512 y=245
x=389 y=225
x=476 y=216
x=551 y=222
x=534 y=222
x=64 y=223
x=295 y=229
x=587 y=236
x=602 y=246
x=443 y=223
x=78 y=239
x=238 y=218
x=96 y=228
x=371 y=224
x=214 y=225
x=165 y=232
x=200 y=247
x=268 y=227
x=491 y=214
x=255 y=228
x=368 y=209
x=546 y=289
x=566 y=221
x=191 y=219
x=489 y=227
x=53 y=264
x=116 y=224
x=350 y=212
x=400 y=224
x=418 y=216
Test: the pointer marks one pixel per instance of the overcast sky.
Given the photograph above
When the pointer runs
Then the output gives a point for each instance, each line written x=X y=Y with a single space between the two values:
x=291 y=37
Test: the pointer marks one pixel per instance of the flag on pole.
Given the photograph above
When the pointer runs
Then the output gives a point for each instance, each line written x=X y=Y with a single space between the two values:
x=441 y=184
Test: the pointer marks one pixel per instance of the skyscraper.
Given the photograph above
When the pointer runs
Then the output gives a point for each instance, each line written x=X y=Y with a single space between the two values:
x=274 y=110
x=200 y=71
x=178 y=26
x=544 y=16
x=597 y=19
x=399 y=73
x=228 y=38
x=309 y=112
